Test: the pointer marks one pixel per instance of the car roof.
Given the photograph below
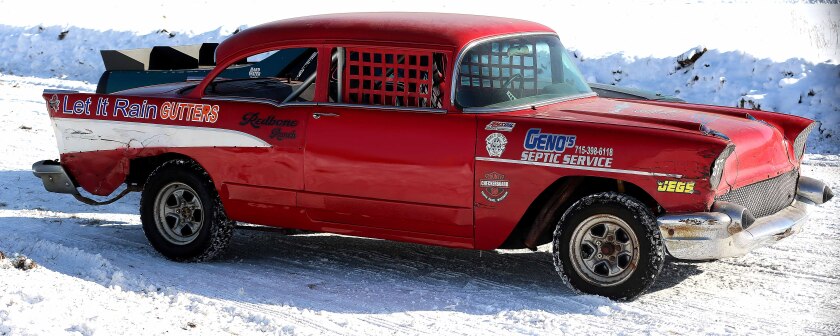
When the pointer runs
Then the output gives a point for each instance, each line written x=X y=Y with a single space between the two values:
x=399 y=28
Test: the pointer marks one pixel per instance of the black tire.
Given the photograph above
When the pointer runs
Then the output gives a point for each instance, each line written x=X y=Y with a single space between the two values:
x=213 y=229
x=635 y=243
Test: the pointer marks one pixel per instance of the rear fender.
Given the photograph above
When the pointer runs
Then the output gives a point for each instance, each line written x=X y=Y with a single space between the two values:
x=102 y=172
x=98 y=135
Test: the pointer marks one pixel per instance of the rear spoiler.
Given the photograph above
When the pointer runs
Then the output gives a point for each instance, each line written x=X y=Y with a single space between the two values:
x=161 y=58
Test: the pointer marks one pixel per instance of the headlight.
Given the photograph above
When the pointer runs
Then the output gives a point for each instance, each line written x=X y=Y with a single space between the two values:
x=799 y=143
x=719 y=164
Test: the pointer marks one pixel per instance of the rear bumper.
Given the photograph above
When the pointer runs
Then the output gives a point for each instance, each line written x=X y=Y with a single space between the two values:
x=57 y=180
x=54 y=177
x=730 y=230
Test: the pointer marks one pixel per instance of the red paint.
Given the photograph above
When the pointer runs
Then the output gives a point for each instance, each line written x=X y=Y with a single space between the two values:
x=413 y=175
x=444 y=31
x=368 y=163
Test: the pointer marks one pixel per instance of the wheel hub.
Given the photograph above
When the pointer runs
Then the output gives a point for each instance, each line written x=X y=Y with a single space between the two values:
x=604 y=250
x=179 y=213
x=608 y=249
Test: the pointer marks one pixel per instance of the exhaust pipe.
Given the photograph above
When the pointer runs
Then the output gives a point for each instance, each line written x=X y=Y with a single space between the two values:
x=814 y=190
x=741 y=217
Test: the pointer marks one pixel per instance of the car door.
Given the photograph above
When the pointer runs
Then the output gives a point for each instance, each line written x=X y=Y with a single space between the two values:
x=373 y=164
x=260 y=184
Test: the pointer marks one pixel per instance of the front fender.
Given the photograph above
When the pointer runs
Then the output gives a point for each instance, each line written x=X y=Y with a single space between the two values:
x=517 y=159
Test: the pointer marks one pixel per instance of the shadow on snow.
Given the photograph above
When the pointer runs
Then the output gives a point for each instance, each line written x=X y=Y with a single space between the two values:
x=344 y=274
x=21 y=190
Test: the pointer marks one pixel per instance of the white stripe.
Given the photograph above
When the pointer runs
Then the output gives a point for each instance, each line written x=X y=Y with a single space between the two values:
x=557 y=165
x=85 y=135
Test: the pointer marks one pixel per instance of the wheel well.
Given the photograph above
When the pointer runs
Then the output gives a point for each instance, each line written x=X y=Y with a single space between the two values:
x=140 y=168
x=537 y=225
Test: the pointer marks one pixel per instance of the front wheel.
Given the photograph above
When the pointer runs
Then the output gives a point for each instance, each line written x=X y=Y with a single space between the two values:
x=608 y=244
x=182 y=213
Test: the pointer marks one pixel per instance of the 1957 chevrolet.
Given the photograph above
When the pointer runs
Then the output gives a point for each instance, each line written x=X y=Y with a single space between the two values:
x=454 y=130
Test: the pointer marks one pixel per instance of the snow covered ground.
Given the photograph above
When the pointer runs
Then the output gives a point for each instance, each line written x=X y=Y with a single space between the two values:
x=96 y=273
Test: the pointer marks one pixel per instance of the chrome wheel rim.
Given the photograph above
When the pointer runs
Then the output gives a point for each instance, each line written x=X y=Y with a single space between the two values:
x=179 y=213
x=604 y=250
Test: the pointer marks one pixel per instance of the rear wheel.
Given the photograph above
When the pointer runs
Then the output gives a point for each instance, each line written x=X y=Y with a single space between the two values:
x=182 y=213
x=608 y=244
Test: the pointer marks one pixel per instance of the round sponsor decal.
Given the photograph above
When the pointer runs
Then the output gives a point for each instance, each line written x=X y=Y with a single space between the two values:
x=496 y=143
x=494 y=187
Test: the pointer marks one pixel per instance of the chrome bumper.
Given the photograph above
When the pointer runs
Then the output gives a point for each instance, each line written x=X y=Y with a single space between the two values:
x=54 y=177
x=730 y=230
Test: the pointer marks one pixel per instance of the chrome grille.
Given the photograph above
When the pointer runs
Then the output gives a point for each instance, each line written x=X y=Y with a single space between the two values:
x=765 y=197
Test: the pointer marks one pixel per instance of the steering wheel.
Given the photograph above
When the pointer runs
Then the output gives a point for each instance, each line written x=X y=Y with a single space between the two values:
x=510 y=80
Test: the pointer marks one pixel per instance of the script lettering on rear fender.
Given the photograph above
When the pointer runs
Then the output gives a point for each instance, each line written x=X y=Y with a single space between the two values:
x=254 y=120
x=283 y=128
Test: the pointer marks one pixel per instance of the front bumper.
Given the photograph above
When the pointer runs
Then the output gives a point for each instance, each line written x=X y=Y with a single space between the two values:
x=729 y=230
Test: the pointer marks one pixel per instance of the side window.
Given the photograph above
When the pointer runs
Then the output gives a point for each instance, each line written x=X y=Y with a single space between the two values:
x=285 y=75
x=389 y=77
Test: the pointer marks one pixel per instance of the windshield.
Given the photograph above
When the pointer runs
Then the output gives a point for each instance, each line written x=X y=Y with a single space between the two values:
x=517 y=71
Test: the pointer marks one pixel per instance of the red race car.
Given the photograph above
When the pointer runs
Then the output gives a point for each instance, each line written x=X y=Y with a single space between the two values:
x=455 y=130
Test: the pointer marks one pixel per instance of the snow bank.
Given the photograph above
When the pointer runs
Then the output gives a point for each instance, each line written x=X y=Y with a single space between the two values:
x=71 y=260
x=73 y=53
x=731 y=78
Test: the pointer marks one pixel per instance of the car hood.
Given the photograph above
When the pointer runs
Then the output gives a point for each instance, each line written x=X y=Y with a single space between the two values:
x=761 y=151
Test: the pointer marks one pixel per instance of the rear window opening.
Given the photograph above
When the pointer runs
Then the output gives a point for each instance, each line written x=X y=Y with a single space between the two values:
x=275 y=75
